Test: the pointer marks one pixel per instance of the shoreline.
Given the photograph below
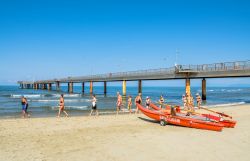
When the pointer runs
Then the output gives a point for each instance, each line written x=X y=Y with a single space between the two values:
x=103 y=112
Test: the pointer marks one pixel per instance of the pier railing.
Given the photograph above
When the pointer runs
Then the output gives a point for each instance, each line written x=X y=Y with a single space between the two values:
x=157 y=73
x=227 y=66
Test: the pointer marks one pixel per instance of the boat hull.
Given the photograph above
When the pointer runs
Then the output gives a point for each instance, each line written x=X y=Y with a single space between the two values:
x=226 y=123
x=180 y=121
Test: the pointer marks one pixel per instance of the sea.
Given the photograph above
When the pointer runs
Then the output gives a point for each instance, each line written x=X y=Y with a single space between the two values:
x=43 y=103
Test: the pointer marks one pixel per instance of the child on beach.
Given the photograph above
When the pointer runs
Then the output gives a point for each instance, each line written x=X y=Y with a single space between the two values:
x=118 y=103
x=138 y=100
x=94 y=106
x=130 y=104
x=61 y=107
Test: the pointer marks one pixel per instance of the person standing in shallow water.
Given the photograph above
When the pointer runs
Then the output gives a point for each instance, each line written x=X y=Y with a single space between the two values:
x=118 y=103
x=26 y=107
x=138 y=100
x=23 y=103
x=94 y=106
x=61 y=107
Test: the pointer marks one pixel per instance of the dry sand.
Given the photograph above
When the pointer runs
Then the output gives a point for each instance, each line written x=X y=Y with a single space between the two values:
x=122 y=138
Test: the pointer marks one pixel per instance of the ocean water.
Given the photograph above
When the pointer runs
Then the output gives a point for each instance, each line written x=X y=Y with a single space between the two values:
x=43 y=103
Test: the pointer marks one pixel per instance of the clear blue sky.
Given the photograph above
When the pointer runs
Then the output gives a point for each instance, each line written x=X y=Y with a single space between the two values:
x=51 y=39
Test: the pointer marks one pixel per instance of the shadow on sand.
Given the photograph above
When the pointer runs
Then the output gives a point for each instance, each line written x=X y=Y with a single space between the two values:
x=149 y=120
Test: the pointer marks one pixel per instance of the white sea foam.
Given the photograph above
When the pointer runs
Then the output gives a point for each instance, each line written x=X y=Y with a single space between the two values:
x=234 y=90
x=72 y=95
x=45 y=100
x=26 y=95
x=71 y=107
x=77 y=107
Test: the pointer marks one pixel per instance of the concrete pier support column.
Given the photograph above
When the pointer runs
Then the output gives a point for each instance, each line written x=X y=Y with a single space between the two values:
x=204 y=89
x=83 y=86
x=49 y=86
x=124 y=87
x=139 y=86
x=91 y=87
x=58 y=86
x=105 y=87
x=188 y=90
x=70 y=87
x=21 y=86
x=45 y=86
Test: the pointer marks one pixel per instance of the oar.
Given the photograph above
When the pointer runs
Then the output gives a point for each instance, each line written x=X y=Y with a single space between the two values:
x=222 y=114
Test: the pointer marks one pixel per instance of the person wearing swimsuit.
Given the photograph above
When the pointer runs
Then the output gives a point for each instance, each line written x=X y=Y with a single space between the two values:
x=138 y=100
x=118 y=103
x=26 y=107
x=61 y=107
x=130 y=104
x=94 y=106
x=148 y=101
x=161 y=101
x=23 y=103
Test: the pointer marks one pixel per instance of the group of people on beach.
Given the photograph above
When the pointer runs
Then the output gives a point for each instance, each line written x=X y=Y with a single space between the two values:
x=138 y=100
x=188 y=101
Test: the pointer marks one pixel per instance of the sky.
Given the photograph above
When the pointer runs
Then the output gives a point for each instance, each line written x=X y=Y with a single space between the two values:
x=46 y=39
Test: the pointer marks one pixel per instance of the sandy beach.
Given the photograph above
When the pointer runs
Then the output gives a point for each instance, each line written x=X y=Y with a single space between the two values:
x=122 y=138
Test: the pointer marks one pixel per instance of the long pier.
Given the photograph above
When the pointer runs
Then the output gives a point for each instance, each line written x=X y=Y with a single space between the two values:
x=187 y=72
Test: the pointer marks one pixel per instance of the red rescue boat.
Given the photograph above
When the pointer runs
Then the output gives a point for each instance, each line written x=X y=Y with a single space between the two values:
x=225 y=122
x=181 y=120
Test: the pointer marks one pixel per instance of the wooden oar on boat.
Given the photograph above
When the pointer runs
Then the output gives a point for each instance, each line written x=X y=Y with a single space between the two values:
x=220 y=113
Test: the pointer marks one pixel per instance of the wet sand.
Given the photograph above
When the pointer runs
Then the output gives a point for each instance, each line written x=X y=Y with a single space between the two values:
x=122 y=138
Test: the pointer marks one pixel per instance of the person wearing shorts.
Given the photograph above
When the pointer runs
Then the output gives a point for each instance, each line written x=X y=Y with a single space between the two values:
x=23 y=103
x=94 y=106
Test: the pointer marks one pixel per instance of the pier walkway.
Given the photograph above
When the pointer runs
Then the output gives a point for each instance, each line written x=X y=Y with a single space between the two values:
x=187 y=72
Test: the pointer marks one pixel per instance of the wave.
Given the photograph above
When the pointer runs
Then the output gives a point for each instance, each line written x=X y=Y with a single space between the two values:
x=26 y=95
x=234 y=90
x=57 y=100
x=71 y=107
x=227 y=104
x=72 y=95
